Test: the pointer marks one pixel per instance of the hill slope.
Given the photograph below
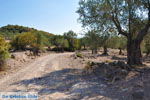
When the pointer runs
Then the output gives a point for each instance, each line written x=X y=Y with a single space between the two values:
x=10 y=31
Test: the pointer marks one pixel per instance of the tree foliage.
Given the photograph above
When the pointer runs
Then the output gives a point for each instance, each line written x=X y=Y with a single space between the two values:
x=21 y=41
x=130 y=18
x=60 y=42
x=93 y=40
x=35 y=40
x=72 y=40
x=10 y=31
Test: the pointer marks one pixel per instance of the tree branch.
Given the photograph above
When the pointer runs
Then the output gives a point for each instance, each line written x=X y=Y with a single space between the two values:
x=116 y=21
x=145 y=30
x=117 y=24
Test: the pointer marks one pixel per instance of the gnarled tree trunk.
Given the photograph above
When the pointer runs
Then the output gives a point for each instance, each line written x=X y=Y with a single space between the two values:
x=105 y=52
x=134 y=52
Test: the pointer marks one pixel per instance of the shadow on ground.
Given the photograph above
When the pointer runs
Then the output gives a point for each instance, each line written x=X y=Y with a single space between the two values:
x=69 y=81
x=73 y=83
x=119 y=58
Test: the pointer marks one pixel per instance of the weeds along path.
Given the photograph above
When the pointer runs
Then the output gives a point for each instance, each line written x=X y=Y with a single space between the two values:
x=38 y=68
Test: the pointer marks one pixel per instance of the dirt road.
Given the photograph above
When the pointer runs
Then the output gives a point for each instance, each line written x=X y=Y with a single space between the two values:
x=53 y=77
x=33 y=71
x=59 y=77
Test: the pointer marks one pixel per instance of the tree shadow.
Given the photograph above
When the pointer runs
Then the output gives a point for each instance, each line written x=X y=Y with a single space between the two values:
x=74 y=83
x=146 y=59
x=68 y=81
x=119 y=58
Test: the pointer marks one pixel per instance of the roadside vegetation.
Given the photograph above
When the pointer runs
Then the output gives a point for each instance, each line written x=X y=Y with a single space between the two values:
x=4 y=54
x=40 y=41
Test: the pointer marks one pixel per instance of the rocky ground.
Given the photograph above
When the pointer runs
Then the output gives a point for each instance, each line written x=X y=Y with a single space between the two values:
x=65 y=76
x=121 y=82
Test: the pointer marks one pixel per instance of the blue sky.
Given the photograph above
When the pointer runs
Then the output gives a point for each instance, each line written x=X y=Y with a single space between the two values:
x=55 y=16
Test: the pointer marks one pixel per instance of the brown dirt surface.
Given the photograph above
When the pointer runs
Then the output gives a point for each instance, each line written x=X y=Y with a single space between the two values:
x=62 y=77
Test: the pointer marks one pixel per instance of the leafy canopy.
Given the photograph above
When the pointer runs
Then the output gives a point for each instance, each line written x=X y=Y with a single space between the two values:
x=127 y=17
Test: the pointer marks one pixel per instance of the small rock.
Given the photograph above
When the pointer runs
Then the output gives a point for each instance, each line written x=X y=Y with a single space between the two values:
x=13 y=56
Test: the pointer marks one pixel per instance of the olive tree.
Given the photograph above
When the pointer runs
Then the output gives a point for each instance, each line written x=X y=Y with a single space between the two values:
x=131 y=18
x=71 y=37
x=60 y=42
x=93 y=40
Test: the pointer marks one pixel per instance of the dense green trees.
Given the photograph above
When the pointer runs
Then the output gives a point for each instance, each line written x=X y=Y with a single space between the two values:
x=23 y=38
x=67 y=42
x=34 y=40
x=3 y=50
x=10 y=31
x=21 y=41
x=130 y=18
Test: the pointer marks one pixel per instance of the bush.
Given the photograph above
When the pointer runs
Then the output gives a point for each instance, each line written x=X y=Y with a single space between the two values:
x=21 y=41
x=34 y=40
x=4 y=54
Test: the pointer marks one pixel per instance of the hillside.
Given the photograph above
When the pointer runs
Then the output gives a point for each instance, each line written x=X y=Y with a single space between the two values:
x=10 y=31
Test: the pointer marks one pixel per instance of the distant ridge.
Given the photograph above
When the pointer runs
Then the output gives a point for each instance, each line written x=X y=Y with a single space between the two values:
x=11 y=30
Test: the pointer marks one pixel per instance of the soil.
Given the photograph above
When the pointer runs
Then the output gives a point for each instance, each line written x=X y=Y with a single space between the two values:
x=62 y=77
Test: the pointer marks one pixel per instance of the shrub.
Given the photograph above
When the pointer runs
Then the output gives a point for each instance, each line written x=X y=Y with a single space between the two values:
x=34 y=40
x=38 y=43
x=4 y=54
x=21 y=41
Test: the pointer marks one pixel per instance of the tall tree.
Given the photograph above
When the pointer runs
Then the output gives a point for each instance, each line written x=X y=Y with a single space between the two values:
x=130 y=18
